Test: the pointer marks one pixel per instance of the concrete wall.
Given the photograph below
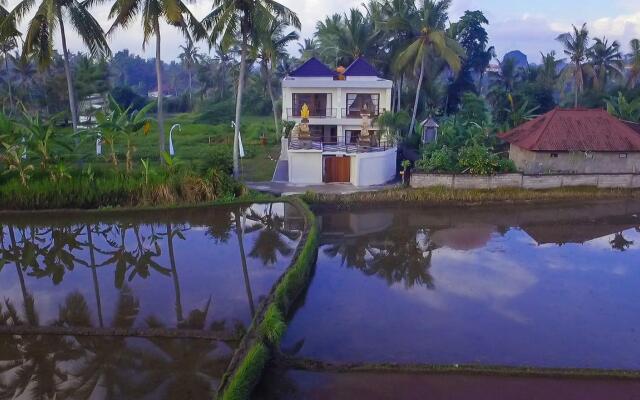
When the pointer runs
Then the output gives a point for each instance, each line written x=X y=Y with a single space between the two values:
x=537 y=162
x=373 y=168
x=305 y=167
x=421 y=180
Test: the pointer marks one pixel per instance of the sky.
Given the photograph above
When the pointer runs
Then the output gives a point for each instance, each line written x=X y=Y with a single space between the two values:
x=527 y=25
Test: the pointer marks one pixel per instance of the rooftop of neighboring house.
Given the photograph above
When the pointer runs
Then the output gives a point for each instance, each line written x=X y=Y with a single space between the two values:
x=564 y=130
x=314 y=73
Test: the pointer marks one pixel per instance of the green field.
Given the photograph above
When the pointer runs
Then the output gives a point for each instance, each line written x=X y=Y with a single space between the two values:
x=198 y=145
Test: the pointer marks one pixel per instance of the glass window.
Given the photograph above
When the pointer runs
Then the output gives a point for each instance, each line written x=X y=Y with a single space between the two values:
x=319 y=104
x=358 y=102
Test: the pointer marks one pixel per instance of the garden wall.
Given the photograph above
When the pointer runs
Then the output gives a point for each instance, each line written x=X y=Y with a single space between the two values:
x=517 y=180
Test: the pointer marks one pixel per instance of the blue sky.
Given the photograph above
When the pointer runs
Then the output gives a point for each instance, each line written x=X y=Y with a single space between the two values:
x=527 y=25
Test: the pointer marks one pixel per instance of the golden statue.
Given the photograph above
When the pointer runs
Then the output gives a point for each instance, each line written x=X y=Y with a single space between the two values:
x=304 y=112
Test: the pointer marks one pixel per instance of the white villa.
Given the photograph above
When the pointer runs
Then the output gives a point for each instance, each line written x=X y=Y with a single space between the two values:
x=336 y=138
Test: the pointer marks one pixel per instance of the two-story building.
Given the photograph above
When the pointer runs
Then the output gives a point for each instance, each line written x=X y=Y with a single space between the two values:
x=336 y=138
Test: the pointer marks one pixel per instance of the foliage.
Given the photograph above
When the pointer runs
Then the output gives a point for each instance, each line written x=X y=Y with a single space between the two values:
x=624 y=109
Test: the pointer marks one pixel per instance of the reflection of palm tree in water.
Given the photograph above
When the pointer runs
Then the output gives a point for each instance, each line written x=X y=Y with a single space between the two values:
x=38 y=367
x=243 y=259
x=270 y=239
x=174 y=270
x=620 y=243
x=94 y=274
x=108 y=362
x=396 y=255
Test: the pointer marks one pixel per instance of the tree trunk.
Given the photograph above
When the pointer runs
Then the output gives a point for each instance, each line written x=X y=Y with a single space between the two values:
x=94 y=273
x=160 y=95
x=190 y=89
x=243 y=259
x=6 y=65
x=236 y=135
x=273 y=101
x=415 y=103
x=399 y=99
x=174 y=274
x=67 y=71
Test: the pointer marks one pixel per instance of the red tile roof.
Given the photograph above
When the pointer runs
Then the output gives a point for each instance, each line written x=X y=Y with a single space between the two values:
x=575 y=130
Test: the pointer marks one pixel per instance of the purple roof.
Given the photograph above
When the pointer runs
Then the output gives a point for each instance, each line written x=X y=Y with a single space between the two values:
x=312 y=68
x=360 y=67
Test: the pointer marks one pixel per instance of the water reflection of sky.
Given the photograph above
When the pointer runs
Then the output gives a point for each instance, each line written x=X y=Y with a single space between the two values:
x=510 y=301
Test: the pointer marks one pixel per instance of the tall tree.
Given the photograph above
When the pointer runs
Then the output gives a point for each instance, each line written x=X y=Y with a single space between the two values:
x=190 y=58
x=231 y=19
x=153 y=13
x=430 y=37
x=272 y=43
x=9 y=35
x=634 y=74
x=576 y=46
x=38 y=41
x=606 y=60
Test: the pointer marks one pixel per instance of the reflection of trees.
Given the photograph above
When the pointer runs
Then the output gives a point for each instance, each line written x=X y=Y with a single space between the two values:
x=243 y=259
x=139 y=260
x=271 y=236
x=620 y=243
x=38 y=367
x=182 y=368
x=107 y=361
x=396 y=255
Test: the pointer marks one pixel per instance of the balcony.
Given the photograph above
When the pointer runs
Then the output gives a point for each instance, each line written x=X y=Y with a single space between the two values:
x=356 y=112
x=313 y=113
x=316 y=142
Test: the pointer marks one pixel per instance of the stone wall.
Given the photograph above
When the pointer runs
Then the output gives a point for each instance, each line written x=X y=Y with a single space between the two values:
x=424 y=180
x=540 y=162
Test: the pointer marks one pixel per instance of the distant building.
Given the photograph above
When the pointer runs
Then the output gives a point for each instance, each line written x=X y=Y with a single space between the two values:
x=336 y=137
x=429 y=130
x=575 y=141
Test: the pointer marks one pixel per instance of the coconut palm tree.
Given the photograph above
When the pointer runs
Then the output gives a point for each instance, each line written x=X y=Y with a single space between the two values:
x=634 y=75
x=190 y=58
x=307 y=49
x=606 y=60
x=8 y=42
x=272 y=235
x=429 y=36
x=548 y=70
x=154 y=12
x=272 y=45
x=576 y=46
x=38 y=41
x=233 y=19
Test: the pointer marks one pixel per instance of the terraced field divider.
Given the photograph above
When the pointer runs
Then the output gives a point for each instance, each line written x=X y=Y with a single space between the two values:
x=263 y=337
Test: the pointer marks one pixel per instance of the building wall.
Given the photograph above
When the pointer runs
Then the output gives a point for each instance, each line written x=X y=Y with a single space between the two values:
x=423 y=180
x=305 y=167
x=531 y=162
x=373 y=168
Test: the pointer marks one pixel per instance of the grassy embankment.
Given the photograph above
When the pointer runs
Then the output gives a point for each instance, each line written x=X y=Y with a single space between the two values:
x=447 y=196
x=263 y=338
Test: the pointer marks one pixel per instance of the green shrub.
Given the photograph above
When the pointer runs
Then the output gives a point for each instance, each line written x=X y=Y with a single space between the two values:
x=438 y=160
x=477 y=159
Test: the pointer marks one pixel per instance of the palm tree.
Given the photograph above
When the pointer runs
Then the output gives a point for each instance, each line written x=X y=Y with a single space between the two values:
x=271 y=236
x=231 y=19
x=272 y=46
x=243 y=259
x=429 y=36
x=39 y=37
x=347 y=36
x=606 y=60
x=8 y=42
x=548 y=70
x=174 y=13
x=576 y=46
x=307 y=49
x=634 y=75
x=190 y=58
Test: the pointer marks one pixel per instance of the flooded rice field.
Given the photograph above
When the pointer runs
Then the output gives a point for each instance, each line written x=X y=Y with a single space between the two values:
x=511 y=286
x=145 y=304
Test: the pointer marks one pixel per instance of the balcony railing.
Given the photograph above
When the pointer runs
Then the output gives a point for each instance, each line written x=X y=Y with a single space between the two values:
x=357 y=112
x=314 y=113
x=316 y=142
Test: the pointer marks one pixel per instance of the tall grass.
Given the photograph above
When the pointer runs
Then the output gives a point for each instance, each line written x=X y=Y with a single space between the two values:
x=116 y=188
x=443 y=195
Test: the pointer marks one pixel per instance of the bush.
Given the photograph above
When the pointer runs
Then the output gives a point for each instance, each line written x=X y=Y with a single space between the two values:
x=478 y=160
x=440 y=160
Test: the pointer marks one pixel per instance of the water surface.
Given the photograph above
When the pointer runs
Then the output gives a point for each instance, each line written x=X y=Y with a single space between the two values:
x=200 y=269
x=552 y=286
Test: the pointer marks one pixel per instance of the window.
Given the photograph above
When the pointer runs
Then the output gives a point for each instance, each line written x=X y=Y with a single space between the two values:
x=351 y=137
x=357 y=102
x=319 y=104
x=554 y=155
x=623 y=155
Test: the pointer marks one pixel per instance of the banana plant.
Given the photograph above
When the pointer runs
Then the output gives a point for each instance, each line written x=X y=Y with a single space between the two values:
x=41 y=137
x=16 y=163
x=123 y=122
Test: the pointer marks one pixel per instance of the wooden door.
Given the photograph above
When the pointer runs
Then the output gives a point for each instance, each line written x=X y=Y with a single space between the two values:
x=337 y=169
